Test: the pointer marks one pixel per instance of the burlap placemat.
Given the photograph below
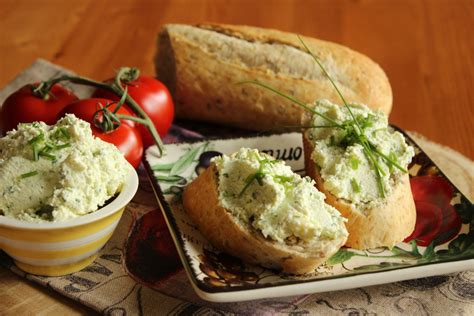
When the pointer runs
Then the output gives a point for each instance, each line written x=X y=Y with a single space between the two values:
x=106 y=286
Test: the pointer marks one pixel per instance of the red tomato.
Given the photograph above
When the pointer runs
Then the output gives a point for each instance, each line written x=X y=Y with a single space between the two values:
x=126 y=137
x=24 y=107
x=154 y=98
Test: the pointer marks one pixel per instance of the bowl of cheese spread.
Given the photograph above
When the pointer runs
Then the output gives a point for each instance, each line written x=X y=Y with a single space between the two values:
x=63 y=192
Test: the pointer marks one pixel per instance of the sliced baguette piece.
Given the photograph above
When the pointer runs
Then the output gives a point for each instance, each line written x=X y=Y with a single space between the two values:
x=226 y=232
x=382 y=226
x=201 y=65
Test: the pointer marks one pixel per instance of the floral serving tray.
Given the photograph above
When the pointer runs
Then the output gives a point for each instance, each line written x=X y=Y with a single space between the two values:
x=443 y=240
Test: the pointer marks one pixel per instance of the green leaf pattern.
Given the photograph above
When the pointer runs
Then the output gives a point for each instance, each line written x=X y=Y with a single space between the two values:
x=173 y=176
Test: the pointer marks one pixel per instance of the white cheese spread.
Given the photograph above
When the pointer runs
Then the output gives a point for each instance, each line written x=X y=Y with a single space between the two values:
x=344 y=167
x=280 y=204
x=55 y=173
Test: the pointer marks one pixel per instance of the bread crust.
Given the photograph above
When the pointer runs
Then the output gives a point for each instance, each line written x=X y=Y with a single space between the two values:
x=383 y=226
x=203 y=84
x=227 y=233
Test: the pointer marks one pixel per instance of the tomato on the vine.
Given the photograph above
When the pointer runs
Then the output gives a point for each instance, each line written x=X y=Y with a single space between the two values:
x=125 y=137
x=24 y=106
x=154 y=98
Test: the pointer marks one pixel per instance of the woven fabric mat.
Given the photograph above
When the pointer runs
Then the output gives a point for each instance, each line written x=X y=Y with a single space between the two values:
x=106 y=286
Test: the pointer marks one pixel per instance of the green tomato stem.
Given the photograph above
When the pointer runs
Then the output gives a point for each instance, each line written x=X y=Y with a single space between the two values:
x=117 y=89
x=131 y=118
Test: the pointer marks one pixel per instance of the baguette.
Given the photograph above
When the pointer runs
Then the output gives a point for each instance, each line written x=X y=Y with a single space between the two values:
x=231 y=234
x=201 y=65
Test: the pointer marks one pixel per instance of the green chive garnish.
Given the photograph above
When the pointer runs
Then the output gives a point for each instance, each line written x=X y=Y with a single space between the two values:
x=29 y=174
x=283 y=179
x=355 y=185
x=48 y=147
x=35 y=152
x=259 y=175
x=61 y=133
x=58 y=147
x=352 y=129
x=36 y=139
x=47 y=155
x=354 y=162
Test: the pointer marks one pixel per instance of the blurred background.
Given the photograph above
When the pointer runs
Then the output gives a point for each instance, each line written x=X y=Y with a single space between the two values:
x=425 y=47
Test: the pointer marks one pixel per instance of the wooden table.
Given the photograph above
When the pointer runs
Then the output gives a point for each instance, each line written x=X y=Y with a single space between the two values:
x=425 y=48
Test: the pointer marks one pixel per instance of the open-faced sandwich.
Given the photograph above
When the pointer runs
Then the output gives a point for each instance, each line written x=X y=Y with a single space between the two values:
x=254 y=207
x=362 y=173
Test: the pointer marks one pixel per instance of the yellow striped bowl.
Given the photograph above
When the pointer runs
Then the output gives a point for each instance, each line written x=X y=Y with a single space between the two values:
x=60 y=248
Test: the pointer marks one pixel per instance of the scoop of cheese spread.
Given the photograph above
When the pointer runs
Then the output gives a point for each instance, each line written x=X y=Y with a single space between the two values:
x=344 y=167
x=55 y=173
x=280 y=204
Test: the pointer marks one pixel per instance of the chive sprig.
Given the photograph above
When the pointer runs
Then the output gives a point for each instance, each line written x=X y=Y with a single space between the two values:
x=354 y=129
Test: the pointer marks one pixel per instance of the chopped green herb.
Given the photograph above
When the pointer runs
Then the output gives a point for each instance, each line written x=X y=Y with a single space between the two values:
x=29 y=174
x=355 y=185
x=47 y=155
x=283 y=179
x=34 y=145
x=61 y=133
x=59 y=147
x=286 y=181
x=366 y=122
x=35 y=152
x=354 y=162
x=38 y=138
x=392 y=157
x=48 y=147
x=259 y=175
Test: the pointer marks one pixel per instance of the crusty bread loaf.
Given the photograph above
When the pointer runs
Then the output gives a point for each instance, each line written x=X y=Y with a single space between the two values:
x=202 y=64
x=226 y=232
x=382 y=226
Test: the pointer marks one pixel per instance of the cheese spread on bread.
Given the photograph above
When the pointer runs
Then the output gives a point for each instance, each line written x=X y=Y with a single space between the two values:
x=263 y=191
x=346 y=171
x=55 y=173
